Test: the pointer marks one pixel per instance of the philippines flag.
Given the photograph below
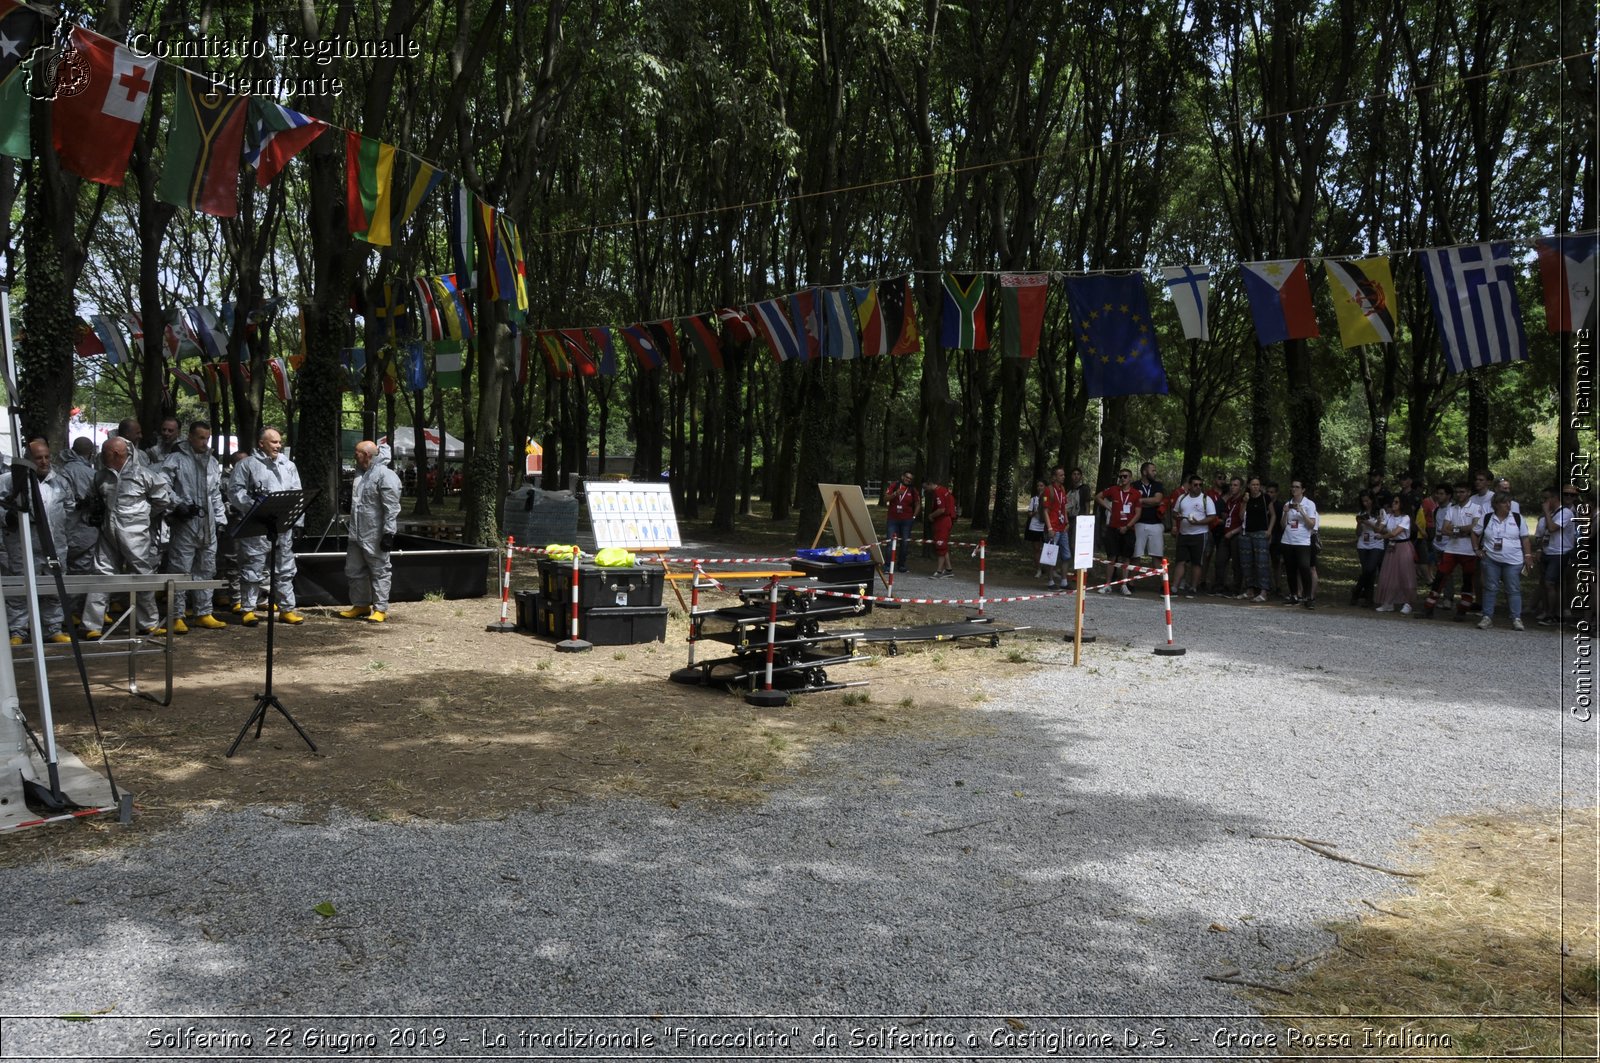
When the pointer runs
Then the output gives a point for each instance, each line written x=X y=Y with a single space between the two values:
x=1474 y=294
x=1567 y=268
x=1280 y=300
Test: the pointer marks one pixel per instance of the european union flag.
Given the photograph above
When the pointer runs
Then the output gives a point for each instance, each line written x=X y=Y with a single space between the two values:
x=1115 y=338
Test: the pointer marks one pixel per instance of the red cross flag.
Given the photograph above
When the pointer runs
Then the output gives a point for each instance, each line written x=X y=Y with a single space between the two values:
x=101 y=92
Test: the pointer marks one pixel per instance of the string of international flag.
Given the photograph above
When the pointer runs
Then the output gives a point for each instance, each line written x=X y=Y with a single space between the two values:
x=1472 y=290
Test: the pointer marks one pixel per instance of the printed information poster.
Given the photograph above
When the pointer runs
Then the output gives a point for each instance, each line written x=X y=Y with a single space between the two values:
x=634 y=516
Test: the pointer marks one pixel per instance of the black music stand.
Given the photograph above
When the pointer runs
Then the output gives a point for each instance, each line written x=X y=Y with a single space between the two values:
x=280 y=509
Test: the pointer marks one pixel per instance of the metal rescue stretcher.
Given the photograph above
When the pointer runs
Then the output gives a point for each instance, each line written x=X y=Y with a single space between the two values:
x=128 y=642
x=800 y=659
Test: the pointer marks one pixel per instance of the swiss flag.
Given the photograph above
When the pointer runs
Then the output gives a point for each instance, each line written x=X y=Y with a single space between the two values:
x=94 y=127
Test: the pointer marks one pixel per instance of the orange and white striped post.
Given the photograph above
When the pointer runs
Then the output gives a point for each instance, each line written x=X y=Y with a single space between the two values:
x=504 y=623
x=1169 y=650
x=767 y=696
x=983 y=559
x=575 y=644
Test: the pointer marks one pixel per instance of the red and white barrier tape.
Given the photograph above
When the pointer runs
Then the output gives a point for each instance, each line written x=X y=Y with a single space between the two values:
x=64 y=817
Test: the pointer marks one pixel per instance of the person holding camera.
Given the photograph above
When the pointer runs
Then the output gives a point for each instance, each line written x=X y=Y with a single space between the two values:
x=374 y=519
x=194 y=523
x=133 y=495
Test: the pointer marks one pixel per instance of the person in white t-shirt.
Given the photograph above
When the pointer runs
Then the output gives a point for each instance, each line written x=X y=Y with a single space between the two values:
x=1454 y=525
x=1397 y=581
x=1193 y=513
x=1299 y=522
x=1557 y=534
x=1504 y=552
x=1370 y=546
x=1482 y=492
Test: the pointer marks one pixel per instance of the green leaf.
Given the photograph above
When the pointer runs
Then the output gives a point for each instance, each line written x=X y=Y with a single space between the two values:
x=325 y=909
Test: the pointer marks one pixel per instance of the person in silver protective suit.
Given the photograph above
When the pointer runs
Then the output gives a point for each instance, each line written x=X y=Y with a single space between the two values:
x=16 y=495
x=266 y=471
x=133 y=496
x=194 y=521
x=374 y=519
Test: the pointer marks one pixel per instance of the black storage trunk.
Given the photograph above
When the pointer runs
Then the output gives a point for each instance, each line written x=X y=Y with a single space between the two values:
x=828 y=572
x=619 y=625
x=421 y=566
x=624 y=625
x=527 y=611
x=597 y=587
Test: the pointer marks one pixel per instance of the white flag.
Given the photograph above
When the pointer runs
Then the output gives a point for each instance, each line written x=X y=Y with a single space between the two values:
x=1190 y=286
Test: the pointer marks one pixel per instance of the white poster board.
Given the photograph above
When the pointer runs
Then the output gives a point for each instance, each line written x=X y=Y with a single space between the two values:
x=1083 y=542
x=634 y=516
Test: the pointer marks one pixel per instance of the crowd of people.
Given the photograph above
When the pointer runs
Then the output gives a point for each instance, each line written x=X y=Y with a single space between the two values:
x=172 y=508
x=1464 y=546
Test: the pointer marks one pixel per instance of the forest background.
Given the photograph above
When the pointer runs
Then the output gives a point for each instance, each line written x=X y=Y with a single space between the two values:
x=674 y=157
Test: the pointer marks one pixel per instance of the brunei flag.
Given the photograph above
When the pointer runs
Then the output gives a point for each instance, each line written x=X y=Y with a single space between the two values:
x=1363 y=299
x=204 y=142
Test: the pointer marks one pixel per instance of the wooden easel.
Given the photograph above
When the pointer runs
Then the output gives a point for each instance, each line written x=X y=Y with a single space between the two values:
x=861 y=536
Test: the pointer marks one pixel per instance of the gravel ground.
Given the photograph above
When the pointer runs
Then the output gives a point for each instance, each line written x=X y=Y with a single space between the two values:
x=1091 y=854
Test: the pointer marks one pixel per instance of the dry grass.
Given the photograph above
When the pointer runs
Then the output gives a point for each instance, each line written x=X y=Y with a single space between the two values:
x=1497 y=947
x=430 y=717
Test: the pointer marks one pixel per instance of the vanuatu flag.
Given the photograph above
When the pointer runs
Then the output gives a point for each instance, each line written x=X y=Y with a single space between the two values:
x=964 y=318
x=20 y=32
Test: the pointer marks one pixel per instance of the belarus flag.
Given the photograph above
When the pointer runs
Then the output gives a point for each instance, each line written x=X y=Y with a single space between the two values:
x=1280 y=300
x=94 y=126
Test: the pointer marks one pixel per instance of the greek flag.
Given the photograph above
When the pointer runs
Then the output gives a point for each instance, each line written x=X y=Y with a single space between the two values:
x=1474 y=299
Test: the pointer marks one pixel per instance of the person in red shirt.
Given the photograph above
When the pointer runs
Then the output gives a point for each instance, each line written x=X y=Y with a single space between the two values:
x=942 y=514
x=903 y=502
x=1121 y=503
x=1057 y=521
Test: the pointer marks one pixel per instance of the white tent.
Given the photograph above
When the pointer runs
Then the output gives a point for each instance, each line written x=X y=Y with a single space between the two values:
x=404 y=444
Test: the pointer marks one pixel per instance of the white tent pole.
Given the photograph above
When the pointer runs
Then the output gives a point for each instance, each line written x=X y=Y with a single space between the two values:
x=8 y=679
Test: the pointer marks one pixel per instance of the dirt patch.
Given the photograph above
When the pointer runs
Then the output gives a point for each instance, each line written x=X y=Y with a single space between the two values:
x=1493 y=956
x=429 y=716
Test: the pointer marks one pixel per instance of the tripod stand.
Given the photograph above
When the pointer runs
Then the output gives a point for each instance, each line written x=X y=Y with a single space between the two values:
x=280 y=509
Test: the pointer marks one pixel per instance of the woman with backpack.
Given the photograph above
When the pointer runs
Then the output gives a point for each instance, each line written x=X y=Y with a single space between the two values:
x=1504 y=554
